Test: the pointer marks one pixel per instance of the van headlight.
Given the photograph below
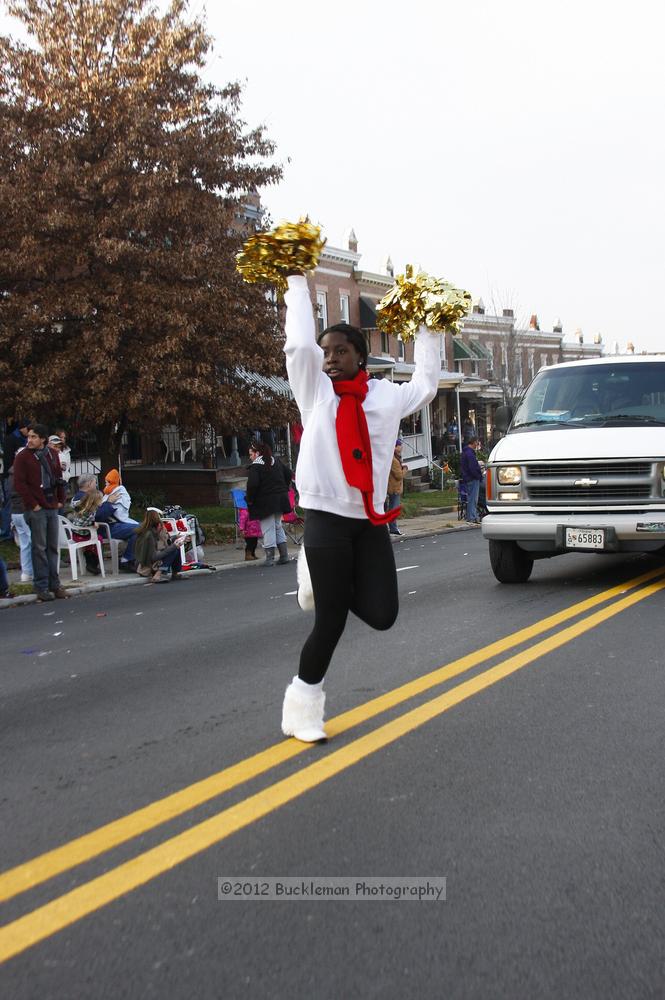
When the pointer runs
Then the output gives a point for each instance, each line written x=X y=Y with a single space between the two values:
x=509 y=475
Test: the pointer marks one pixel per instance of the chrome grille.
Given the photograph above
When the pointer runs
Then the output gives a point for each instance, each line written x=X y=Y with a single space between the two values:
x=582 y=469
x=595 y=494
x=589 y=482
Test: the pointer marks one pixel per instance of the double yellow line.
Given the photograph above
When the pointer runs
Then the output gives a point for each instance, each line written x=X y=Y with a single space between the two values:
x=52 y=917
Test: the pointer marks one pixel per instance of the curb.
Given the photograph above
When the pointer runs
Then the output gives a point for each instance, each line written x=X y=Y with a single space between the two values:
x=95 y=588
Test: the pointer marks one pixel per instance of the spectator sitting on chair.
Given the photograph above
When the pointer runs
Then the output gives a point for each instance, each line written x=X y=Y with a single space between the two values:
x=84 y=516
x=39 y=484
x=115 y=511
x=87 y=483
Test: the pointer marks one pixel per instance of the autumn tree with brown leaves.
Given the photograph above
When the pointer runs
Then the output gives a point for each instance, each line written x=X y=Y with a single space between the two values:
x=121 y=178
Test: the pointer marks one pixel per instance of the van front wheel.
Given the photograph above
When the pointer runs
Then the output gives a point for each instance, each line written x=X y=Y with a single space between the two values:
x=510 y=563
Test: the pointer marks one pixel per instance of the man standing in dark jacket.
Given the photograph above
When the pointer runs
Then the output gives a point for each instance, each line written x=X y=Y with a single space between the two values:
x=12 y=442
x=471 y=475
x=39 y=484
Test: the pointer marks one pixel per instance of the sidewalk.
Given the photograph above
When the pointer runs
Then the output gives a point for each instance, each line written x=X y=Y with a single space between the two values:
x=229 y=557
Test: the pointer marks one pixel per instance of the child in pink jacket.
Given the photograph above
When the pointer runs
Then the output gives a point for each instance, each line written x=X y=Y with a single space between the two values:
x=251 y=531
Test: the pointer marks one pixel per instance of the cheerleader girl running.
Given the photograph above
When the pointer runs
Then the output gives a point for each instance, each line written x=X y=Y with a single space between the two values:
x=350 y=427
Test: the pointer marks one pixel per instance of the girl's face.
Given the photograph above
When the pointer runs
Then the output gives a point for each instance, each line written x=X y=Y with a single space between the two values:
x=341 y=360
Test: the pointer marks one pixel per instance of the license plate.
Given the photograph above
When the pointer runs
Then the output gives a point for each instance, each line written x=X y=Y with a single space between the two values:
x=585 y=538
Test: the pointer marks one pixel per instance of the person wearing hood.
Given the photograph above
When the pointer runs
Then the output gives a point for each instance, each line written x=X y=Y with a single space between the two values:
x=115 y=511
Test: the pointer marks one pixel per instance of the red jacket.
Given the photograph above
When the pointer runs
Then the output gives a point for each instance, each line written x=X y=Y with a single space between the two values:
x=28 y=479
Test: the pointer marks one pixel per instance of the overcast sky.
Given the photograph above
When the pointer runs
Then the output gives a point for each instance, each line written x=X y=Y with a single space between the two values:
x=513 y=147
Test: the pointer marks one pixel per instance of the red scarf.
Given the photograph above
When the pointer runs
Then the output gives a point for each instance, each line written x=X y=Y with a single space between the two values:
x=355 y=447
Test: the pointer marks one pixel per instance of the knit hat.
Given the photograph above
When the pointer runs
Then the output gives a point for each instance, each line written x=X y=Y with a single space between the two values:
x=112 y=481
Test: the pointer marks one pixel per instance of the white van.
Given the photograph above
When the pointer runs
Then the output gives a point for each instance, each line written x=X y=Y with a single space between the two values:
x=582 y=466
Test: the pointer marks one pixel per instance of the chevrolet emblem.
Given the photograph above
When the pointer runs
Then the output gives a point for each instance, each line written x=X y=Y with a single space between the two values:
x=585 y=482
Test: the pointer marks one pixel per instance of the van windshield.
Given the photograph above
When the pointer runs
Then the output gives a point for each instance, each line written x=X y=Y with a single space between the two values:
x=620 y=395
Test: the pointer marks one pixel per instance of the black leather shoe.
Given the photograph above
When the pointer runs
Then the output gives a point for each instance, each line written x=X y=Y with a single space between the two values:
x=45 y=595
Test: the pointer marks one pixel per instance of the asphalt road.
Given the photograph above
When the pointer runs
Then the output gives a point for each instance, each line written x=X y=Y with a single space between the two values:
x=529 y=775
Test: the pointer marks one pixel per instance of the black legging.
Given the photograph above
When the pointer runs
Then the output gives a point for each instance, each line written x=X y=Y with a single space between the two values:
x=352 y=566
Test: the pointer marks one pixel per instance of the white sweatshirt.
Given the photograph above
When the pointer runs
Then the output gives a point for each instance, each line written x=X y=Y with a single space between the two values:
x=319 y=474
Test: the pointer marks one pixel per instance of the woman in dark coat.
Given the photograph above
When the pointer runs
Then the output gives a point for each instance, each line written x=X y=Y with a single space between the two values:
x=268 y=483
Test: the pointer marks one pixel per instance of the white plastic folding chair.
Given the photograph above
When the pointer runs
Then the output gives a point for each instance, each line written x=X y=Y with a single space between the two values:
x=67 y=541
x=179 y=526
x=185 y=445
x=113 y=544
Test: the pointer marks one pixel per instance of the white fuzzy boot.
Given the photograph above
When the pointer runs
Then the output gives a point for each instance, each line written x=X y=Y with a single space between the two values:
x=302 y=711
x=305 y=592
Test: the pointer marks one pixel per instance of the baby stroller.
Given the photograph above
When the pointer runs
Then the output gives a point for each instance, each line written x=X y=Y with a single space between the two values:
x=462 y=499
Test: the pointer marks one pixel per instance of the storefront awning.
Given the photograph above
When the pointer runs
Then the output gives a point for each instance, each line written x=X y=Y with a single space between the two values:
x=367 y=313
x=461 y=351
x=481 y=352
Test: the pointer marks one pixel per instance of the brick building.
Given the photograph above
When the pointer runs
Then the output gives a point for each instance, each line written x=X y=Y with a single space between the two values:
x=342 y=291
x=488 y=363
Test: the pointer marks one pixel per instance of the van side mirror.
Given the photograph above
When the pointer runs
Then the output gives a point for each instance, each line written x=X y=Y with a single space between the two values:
x=502 y=418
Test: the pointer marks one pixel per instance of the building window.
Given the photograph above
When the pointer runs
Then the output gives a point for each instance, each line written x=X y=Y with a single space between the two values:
x=531 y=363
x=400 y=349
x=442 y=349
x=344 y=308
x=322 y=310
x=385 y=343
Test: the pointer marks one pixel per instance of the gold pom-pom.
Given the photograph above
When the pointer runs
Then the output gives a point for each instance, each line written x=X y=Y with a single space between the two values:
x=291 y=247
x=415 y=299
